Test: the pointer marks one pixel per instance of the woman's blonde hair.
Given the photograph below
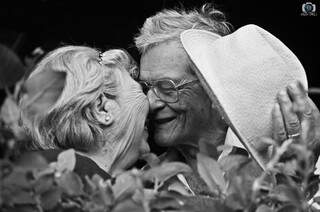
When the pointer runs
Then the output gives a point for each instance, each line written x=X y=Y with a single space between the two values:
x=69 y=122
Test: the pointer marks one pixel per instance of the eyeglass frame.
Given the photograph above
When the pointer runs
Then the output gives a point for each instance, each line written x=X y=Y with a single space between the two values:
x=151 y=85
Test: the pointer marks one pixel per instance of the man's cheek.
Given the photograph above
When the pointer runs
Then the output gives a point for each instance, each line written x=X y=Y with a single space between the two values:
x=184 y=104
x=187 y=94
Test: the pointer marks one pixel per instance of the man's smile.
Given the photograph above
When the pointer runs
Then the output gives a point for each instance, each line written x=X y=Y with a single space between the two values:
x=164 y=120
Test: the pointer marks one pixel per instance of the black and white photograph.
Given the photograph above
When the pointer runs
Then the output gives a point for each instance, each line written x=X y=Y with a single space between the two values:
x=159 y=105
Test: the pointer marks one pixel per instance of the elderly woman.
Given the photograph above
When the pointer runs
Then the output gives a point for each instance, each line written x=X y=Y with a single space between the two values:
x=78 y=98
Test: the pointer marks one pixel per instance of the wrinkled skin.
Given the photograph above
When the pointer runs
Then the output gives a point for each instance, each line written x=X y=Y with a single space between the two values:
x=191 y=118
x=294 y=114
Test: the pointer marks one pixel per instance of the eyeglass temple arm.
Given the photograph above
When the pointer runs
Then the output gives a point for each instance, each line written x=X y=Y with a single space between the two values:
x=187 y=83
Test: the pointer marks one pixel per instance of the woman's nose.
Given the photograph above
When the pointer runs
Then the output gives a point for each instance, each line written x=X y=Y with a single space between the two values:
x=155 y=102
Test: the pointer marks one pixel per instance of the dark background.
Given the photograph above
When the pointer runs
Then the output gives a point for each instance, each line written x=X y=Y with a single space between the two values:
x=25 y=25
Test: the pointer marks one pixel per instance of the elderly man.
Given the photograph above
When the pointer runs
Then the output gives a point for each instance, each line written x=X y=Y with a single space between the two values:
x=183 y=118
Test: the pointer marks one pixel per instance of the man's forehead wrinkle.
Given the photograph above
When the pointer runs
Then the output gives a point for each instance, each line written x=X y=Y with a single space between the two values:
x=164 y=61
x=160 y=71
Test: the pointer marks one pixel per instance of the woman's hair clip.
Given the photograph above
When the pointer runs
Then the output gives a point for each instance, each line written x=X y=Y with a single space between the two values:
x=100 y=58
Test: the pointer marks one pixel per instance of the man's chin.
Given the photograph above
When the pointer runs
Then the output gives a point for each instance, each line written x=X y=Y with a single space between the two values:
x=164 y=139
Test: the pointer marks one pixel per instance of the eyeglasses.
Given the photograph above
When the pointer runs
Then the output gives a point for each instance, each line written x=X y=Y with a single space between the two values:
x=165 y=89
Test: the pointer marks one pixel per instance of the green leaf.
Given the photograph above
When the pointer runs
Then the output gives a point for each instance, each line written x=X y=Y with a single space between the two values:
x=102 y=198
x=166 y=203
x=289 y=208
x=211 y=173
x=208 y=148
x=6 y=168
x=41 y=91
x=96 y=179
x=23 y=208
x=106 y=195
x=70 y=183
x=50 y=198
x=224 y=147
x=165 y=171
x=205 y=204
x=66 y=161
x=178 y=187
x=50 y=170
x=100 y=190
x=235 y=201
x=89 y=185
x=19 y=196
x=128 y=205
x=43 y=184
x=232 y=162
x=18 y=178
x=312 y=189
x=10 y=115
x=288 y=168
x=32 y=160
x=11 y=67
x=263 y=208
x=285 y=193
x=23 y=197
x=144 y=196
x=151 y=159
x=126 y=184
x=242 y=178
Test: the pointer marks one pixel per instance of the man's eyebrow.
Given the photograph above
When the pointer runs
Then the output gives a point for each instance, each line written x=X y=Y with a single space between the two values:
x=175 y=80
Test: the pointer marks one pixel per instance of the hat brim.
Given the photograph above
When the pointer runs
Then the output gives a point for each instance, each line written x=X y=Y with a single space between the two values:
x=242 y=74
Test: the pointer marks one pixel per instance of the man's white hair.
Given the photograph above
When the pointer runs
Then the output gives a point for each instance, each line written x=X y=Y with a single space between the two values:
x=167 y=25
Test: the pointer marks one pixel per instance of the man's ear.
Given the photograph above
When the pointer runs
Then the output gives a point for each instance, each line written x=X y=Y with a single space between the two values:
x=105 y=110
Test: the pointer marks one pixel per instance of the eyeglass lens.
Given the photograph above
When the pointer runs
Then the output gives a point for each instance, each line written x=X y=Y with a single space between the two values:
x=164 y=89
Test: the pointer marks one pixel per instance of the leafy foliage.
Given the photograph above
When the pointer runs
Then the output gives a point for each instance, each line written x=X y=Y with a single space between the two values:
x=33 y=184
x=288 y=184
x=11 y=68
x=55 y=187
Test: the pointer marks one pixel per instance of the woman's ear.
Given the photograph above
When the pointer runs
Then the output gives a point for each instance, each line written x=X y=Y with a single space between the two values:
x=105 y=110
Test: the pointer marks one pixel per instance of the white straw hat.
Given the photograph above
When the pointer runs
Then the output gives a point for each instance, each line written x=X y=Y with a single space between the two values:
x=242 y=74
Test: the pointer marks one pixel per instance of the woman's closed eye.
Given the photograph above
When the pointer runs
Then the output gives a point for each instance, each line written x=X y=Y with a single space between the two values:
x=109 y=96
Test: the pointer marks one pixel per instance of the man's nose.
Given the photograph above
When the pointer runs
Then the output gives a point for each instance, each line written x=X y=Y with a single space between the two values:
x=154 y=101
